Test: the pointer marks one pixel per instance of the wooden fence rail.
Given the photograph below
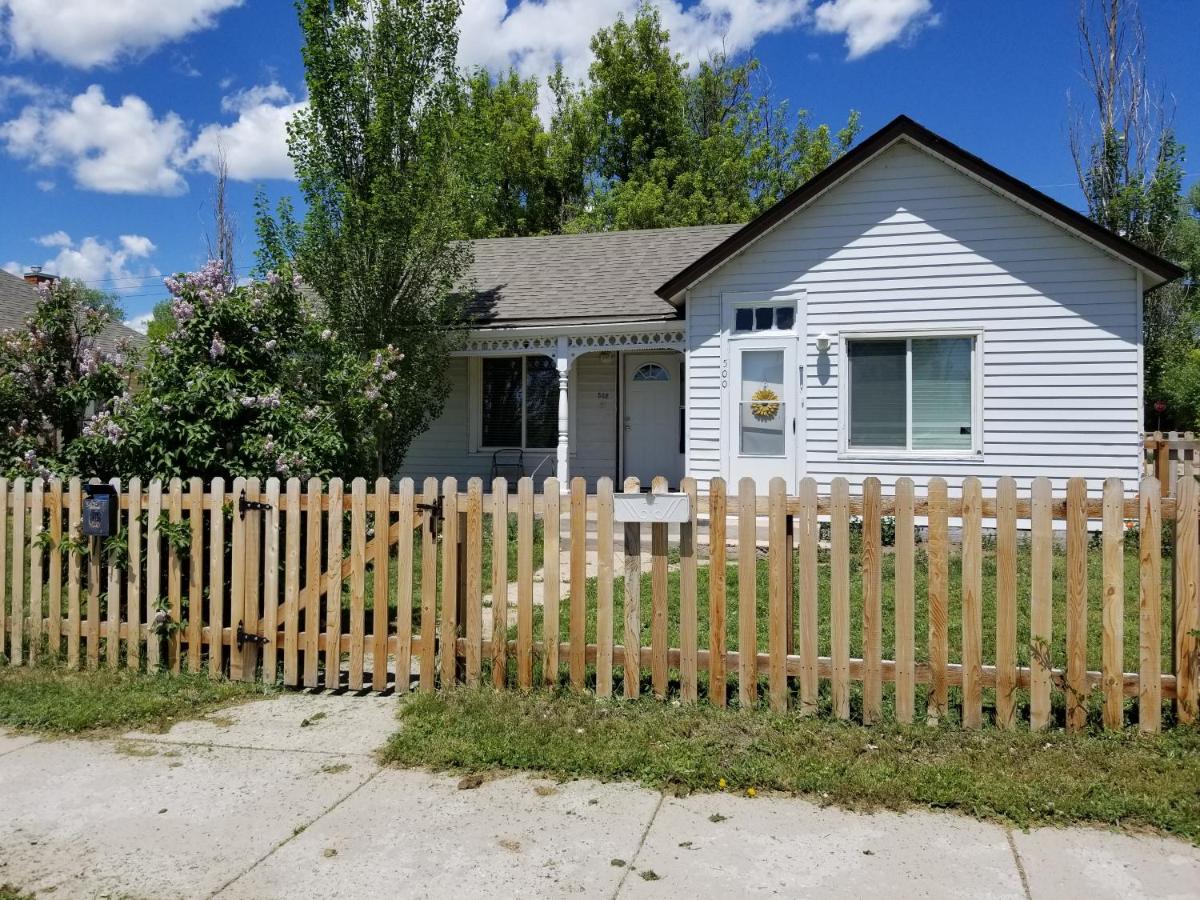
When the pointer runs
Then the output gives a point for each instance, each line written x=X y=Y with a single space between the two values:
x=412 y=586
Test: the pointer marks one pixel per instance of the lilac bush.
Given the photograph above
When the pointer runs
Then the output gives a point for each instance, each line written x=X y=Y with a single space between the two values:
x=250 y=382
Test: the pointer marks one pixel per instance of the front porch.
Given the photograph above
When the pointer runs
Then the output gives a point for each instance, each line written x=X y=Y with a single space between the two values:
x=579 y=401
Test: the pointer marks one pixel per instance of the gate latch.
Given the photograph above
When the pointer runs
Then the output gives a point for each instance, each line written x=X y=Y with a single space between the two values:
x=436 y=514
x=244 y=636
x=244 y=504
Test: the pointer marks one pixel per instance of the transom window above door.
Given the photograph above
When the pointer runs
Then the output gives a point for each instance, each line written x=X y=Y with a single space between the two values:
x=651 y=372
x=911 y=394
x=767 y=317
x=518 y=403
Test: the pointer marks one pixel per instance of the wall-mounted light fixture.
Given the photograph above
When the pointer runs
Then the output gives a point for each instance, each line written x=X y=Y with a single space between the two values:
x=823 y=340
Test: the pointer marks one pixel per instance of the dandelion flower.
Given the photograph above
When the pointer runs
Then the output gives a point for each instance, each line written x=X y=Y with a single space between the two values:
x=751 y=792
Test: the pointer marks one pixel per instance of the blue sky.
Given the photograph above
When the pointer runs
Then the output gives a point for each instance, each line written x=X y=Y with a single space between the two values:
x=109 y=113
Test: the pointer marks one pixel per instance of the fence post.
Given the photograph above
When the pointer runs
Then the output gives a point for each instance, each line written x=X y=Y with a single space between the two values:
x=1162 y=462
x=1184 y=618
x=1149 y=624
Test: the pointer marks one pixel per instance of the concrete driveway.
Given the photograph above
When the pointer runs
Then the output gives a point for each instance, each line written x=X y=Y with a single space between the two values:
x=283 y=798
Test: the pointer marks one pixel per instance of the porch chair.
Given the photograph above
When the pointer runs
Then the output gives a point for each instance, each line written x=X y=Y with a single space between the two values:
x=509 y=463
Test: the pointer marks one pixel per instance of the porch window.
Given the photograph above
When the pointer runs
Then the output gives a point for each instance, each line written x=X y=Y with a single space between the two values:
x=911 y=393
x=519 y=402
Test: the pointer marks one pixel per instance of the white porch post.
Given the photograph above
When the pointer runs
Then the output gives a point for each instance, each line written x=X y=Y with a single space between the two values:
x=563 y=362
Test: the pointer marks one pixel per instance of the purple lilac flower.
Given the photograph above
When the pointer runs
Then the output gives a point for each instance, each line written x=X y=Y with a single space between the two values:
x=217 y=347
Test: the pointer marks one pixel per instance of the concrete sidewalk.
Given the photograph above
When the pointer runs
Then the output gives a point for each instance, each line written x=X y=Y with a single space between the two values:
x=283 y=798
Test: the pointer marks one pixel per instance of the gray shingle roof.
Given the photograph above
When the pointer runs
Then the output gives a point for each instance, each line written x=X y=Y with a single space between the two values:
x=18 y=298
x=579 y=278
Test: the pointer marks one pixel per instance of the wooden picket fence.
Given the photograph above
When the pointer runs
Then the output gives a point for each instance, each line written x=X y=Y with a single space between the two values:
x=1169 y=455
x=272 y=581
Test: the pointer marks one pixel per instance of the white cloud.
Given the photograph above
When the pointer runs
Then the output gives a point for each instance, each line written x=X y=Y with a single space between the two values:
x=45 y=184
x=121 y=267
x=114 y=149
x=140 y=324
x=533 y=34
x=872 y=24
x=88 y=33
x=55 y=239
x=12 y=267
x=255 y=146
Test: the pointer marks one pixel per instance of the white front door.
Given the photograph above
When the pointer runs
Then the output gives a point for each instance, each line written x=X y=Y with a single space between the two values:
x=763 y=410
x=653 y=400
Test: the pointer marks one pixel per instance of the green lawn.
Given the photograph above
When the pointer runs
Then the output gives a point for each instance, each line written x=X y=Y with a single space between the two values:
x=55 y=700
x=1018 y=777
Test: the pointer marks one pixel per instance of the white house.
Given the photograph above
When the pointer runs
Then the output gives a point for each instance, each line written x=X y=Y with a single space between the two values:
x=911 y=310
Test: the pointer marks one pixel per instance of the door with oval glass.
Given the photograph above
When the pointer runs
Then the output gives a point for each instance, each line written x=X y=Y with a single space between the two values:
x=653 y=400
x=762 y=410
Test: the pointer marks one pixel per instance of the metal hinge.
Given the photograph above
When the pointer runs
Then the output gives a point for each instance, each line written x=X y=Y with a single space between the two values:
x=244 y=504
x=244 y=636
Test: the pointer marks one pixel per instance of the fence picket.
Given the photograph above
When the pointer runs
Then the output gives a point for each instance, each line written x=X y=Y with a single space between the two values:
x=54 y=586
x=448 y=643
x=525 y=583
x=1150 y=599
x=1113 y=611
x=688 y=640
x=154 y=574
x=972 y=602
x=808 y=649
x=195 y=510
x=839 y=586
x=311 y=640
x=270 y=611
x=4 y=520
x=253 y=597
x=74 y=570
x=358 y=580
x=778 y=596
x=335 y=541
x=175 y=576
x=872 y=594
x=905 y=602
x=474 y=600
x=604 y=588
x=578 y=623
x=658 y=599
x=747 y=556
x=716 y=591
x=1006 y=602
x=37 y=510
x=1187 y=617
x=112 y=638
x=216 y=579
x=633 y=601
x=291 y=585
x=1077 y=545
x=1041 y=614
x=404 y=584
x=552 y=578
x=380 y=620
x=499 y=584
x=133 y=588
x=16 y=619
x=938 y=579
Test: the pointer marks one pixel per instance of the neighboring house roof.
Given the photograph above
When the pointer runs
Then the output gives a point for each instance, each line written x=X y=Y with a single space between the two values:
x=18 y=298
x=1157 y=269
x=574 y=279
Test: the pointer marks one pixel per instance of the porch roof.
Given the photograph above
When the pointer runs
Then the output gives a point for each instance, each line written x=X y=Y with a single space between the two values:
x=574 y=279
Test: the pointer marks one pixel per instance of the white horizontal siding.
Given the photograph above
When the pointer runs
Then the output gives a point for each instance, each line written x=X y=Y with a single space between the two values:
x=909 y=243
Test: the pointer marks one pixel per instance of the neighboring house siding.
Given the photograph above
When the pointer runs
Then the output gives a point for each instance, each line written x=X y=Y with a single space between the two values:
x=444 y=449
x=907 y=242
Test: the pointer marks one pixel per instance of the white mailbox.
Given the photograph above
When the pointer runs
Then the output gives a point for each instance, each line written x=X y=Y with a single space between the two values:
x=654 y=508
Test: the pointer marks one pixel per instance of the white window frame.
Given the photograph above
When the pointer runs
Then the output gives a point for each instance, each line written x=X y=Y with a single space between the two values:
x=845 y=451
x=475 y=406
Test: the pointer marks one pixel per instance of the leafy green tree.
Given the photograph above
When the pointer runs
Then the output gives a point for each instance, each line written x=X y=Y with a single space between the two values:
x=51 y=371
x=251 y=382
x=162 y=322
x=374 y=155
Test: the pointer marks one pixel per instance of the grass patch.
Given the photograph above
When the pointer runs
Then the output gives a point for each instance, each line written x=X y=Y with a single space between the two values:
x=64 y=702
x=1018 y=777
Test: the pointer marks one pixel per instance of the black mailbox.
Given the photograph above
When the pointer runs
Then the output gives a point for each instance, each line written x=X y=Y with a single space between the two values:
x=101 y=510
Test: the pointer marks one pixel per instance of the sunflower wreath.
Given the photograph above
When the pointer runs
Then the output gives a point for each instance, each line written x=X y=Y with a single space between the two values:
x=765 y=404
